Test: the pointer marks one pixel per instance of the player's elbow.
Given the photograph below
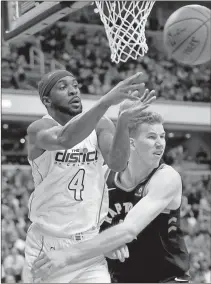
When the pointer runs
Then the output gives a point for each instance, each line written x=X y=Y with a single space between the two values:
x=64 y=142
x=116 y=166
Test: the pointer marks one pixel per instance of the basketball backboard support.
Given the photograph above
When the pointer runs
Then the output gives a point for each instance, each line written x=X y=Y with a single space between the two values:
x=22 y=19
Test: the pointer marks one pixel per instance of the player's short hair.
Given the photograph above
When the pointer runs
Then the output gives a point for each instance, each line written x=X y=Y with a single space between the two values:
x=148 y=117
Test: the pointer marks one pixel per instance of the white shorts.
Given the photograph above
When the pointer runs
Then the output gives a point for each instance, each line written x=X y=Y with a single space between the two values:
x=94 y=270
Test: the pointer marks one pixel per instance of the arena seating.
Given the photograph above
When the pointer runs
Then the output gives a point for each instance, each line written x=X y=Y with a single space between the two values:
x=84 y=51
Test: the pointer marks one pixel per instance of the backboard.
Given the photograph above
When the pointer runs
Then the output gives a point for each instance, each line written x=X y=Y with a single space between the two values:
x=24 y=18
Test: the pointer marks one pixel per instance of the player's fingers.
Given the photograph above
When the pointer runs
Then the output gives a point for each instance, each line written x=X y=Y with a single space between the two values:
x=121 y=255
x=144 y=95
x=122 y=250
x=126 y=251
x=118 y=253
x=132 y=79
x=47 y=273
x=40 y=262
x=39 y=272
x=43 y=271
x=134 y=87
x=132 y=98
x=139 y=109
x=149 y=96
x=138 y=106
x=150 y=100
x=133 y=93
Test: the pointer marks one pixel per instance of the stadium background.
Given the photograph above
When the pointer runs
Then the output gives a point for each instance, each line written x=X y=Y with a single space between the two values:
x=78 y=43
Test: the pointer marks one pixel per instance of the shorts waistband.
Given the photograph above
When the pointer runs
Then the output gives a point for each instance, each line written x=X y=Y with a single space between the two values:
x=81 y=236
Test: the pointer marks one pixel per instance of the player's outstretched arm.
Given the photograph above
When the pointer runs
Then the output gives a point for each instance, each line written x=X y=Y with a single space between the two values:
x=48 y=263
x=115 y=143
x=163 y=188
x=47 y=137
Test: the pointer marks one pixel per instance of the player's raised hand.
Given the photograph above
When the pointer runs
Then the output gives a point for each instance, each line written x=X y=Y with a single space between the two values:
x=121 y=253
x=131 y=110
x=125 y=90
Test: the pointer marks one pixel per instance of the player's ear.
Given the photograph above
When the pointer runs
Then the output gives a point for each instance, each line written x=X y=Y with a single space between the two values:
x=46 y=101
x=132 y=143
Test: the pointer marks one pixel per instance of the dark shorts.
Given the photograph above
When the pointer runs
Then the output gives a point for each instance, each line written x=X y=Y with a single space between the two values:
x=177 y=279
x=174 y=279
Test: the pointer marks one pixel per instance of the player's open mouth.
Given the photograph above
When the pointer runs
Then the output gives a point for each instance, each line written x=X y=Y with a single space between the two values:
x=75 y=104
x=75 y=101
x=158 y=153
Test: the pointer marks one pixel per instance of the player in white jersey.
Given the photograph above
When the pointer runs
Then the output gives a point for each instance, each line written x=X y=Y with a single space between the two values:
x=144 y=211
x=66 y=150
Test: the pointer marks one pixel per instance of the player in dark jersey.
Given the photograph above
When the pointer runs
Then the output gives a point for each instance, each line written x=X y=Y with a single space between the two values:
x=159 y=254
x=146 y=198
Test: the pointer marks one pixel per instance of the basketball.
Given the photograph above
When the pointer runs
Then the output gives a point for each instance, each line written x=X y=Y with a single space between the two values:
x=187 y=35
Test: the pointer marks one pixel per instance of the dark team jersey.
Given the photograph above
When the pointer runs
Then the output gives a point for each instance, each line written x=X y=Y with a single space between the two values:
x=159 y=252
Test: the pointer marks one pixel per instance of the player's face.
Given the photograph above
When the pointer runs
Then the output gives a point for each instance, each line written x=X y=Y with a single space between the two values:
x=150 y=143
x=65 y=96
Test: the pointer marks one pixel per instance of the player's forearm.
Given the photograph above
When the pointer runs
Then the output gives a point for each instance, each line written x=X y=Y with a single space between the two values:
x=120 y=150
x=80 y=127
x=103 y=243
x=142 y=215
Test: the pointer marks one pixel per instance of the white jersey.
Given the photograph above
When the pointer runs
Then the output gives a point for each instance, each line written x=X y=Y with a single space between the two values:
x=70 y=195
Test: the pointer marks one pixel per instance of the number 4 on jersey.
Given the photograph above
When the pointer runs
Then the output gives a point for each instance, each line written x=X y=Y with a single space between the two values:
x=77 y=184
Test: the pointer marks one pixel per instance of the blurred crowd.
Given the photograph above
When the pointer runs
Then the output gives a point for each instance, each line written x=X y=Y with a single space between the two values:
x=196 y=225
x=84 y=50
x=17 y=185
x=180 y=157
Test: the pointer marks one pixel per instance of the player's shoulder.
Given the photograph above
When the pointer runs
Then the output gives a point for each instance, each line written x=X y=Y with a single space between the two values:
x=105 y=118
x=169 y=173
x=104 y=122
x=40 y=124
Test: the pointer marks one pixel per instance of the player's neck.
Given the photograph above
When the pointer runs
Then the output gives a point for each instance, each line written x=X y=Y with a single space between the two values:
x=135 y=173
x=61 y=118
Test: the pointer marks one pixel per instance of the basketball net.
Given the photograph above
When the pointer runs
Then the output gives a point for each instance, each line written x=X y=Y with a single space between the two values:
x=124 y=23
